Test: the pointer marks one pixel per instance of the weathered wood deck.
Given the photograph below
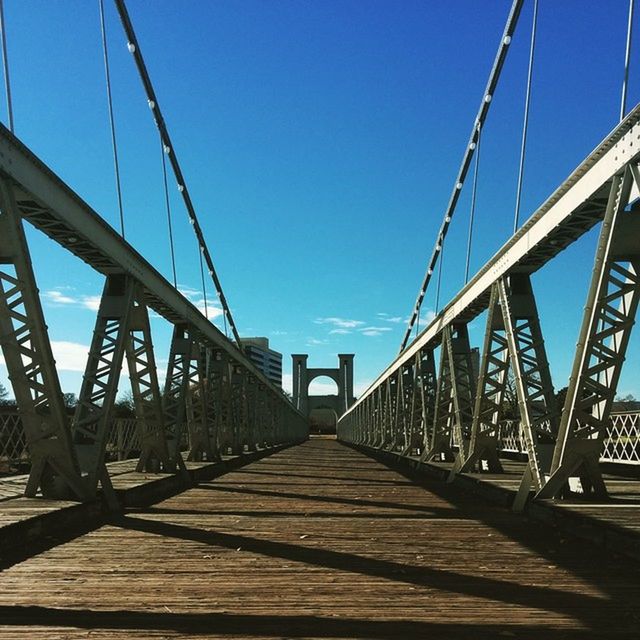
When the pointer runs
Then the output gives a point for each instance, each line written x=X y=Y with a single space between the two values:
x=320 y=541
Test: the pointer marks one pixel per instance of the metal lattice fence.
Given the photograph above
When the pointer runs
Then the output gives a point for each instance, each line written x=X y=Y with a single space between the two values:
x=621 y=446
x=622 y=443
x=123 y=442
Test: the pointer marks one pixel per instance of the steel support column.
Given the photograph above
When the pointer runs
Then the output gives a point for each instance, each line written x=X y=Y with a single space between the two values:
x=609 y=316
x=455 y=395
x=200 y=449
x=489 y=402
x=143 y=375
x=30 y=364
x=534 y=389
x=94 y=411
x=422 y=408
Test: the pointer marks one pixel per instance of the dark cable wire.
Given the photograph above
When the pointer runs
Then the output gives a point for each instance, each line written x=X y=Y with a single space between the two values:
x=473 y=207
x=204 y=286
x=163 y=148
x=134 y=47
x=627 y=56
x=494 y=76
x=440 y=263
x=525 y=119
x=5 y=66
x=114 y=144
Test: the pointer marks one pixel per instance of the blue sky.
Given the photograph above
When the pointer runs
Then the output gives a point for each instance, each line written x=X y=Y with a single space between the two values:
x=320 y=141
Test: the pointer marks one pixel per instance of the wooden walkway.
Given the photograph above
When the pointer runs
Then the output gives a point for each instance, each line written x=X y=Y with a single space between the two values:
x=320 y=541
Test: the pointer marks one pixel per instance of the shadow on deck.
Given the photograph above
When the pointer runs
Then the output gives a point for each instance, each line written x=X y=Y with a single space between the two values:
x=320 y=541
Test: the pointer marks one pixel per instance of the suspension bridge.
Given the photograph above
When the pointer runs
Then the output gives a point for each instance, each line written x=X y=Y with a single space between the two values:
x=211 y=512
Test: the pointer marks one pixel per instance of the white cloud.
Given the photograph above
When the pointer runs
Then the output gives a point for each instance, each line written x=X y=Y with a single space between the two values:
x=70 y=356
x=91 y=302
x=339 y=331
x=195 y=296
x=212 y=312
x=341 y=323
x=313 y=342
x=287 y=382
x=318 y=388
x=385 y=317
x=57 y=297
x=189 y=292
x=374 y=331
x=428 y=317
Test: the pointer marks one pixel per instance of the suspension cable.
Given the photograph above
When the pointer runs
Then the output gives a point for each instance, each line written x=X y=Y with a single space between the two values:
x=472 y=211
x=112 y=122
x=5 y=66
x=627 y=56
x=525 y=118
x=204 y=286
x=494 y=76
x=439 y=281
x=163 y=151
x=134 y=47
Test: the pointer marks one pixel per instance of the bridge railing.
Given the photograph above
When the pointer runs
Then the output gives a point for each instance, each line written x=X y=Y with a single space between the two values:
x=435 y=397
x=123 y=442
x=621 y=444
x=213 y=397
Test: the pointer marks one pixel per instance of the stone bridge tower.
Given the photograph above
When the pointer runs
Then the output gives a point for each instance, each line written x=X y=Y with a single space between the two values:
x=342 y=376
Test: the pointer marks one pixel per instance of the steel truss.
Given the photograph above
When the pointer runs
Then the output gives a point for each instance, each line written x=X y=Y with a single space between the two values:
x=563 y=447
x=198 y=405
x=490 y=399
x=454 y=396
x=422 y=403
x=534 y=390
x=610 y=311
x=94 y=412
x=68 y=460
x=147 y=400
x=30 y=364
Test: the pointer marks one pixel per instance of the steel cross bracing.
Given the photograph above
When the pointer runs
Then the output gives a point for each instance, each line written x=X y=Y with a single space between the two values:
x=561 y=443
x=226 y=403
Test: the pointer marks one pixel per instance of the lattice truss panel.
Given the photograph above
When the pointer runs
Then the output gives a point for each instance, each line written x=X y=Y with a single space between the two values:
x=93 y=414
x=143 y=376
x=490 y=398
x=623 y=439
x=609 y=316
x=197 y=407
x=29 y=360
x=455 y=396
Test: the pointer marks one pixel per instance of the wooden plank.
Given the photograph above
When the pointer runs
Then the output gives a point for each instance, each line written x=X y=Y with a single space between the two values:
x=320 y=541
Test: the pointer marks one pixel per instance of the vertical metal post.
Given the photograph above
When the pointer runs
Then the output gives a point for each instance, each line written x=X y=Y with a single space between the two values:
x=489 y=402
x=143 y=376
x=456 y=393
x=238 y=409
x=608 y=318
x=534 y=389
x=29 y=359
x=94 y=412
x=197 y=407
x=212 y=401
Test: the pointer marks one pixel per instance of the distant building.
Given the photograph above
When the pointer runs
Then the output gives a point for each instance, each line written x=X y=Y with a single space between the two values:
x=266 y=360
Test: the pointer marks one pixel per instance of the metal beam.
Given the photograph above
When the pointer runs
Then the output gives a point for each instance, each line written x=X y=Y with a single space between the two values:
x=45 y=201
x=574 y=208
